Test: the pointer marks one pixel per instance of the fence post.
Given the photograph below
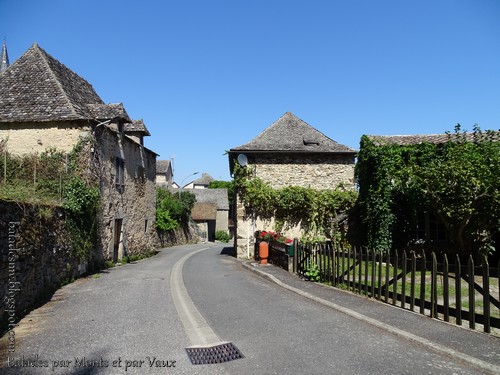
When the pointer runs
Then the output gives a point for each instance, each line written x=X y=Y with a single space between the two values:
x=349 y=262
x=472 y=304
x=412 y=280
x=379 y=279
x=403 y=281
x=422 y=284
x=360 y=269
x=349 y=269
x=434 y=287
x=486 y=294
x=446 y=289
x=387 y=269
x=395 y=279
x=366 y=271
x=374 y=269
x=295 y=254
x=353 y=254
x=458 y=290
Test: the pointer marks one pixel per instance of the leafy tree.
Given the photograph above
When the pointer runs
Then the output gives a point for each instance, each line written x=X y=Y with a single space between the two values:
x=173 y=209
x=457 y=181
x=462 y=183
x=229 y=185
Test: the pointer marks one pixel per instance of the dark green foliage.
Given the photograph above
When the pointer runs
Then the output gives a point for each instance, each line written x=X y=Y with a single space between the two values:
x=173 y=209
x=32 y=177
x=456 y=181
x=222 y=236
x=81 y=204
x=229 y=185
x=56 y=179
x=317 y=211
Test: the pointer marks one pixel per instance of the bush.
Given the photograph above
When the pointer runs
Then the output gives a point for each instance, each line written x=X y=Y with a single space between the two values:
x=173 y=209
x=222 y=236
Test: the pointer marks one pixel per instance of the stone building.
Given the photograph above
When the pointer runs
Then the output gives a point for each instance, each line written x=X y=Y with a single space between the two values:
x=164 y=174
x=200 y=183
x=211 y=211
x=289 y=153
x=43 y=104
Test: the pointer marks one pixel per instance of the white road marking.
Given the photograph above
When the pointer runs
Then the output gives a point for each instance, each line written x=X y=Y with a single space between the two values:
x=197 y=329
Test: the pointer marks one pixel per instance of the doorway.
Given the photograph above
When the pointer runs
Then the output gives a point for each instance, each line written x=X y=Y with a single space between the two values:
x=117 y=237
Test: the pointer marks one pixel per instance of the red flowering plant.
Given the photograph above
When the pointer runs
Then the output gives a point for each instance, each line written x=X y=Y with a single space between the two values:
x=269 y=236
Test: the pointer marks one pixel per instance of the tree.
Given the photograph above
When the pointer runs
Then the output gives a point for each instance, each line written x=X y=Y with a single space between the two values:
x=457 y=181
x=229 y=185
x=173 y=209
x=462 y=184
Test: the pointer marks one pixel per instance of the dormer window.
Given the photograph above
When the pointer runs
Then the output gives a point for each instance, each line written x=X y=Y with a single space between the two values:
x=310 y=142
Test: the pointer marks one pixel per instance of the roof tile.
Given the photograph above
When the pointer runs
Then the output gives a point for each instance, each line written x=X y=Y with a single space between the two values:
x=291 y=134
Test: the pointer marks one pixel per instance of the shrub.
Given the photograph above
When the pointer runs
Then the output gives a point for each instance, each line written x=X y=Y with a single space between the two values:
x=222 y=236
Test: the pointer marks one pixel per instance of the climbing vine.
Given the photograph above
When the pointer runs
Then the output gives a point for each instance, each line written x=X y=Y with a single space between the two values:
x=318 y=212
x=82 y=198
x=456 y=181
x=81 y=205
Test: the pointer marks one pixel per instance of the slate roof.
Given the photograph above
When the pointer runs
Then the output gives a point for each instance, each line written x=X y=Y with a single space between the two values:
x=404 y=140
x=162 y=166
x=215 y=196
x=291 y=134
x=136 y=126
x=205 y=179
x=204 y=211
x=38 y=88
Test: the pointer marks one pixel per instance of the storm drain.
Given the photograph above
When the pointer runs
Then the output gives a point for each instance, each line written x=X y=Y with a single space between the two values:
x=214 y=354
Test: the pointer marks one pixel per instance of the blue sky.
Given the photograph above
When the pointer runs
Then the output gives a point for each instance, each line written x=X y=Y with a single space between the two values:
x=207 y=76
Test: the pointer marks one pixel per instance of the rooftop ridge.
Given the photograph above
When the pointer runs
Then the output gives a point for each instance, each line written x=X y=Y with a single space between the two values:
x=44 y=56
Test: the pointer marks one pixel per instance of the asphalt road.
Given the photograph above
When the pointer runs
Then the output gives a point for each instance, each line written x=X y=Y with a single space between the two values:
x=140 y=318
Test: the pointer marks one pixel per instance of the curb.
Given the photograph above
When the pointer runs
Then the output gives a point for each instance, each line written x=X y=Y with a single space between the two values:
x=475 y=362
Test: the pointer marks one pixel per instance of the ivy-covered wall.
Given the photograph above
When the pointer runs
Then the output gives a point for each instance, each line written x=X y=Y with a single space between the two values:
x=36 y=256
x=456 y=181
x=311 y=212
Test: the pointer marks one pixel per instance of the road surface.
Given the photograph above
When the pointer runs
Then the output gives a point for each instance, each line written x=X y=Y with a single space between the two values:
x=139 y=319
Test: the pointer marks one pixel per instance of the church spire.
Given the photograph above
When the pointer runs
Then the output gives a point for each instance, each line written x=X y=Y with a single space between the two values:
x=4 y=57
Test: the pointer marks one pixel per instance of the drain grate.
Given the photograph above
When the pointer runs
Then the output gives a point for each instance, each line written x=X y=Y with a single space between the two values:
x=214 y=354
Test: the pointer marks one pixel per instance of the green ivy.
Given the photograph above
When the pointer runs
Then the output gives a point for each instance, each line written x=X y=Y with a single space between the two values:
x=456 y=181
x=316 y=211
x=81 y=204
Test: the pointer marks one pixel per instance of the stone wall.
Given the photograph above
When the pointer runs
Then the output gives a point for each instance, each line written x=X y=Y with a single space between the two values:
x=322 y=171
x=129 y=211
x=128 y=214
x=26 y=138
x=314 y=171
x=186 y=234
x=35 y=255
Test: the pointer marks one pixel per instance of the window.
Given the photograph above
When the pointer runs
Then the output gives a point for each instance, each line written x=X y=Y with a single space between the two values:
x=140 y=172
x=429 y=229
x=120 y=175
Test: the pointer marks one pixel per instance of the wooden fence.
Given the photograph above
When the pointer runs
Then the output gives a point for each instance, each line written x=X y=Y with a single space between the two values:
x=436 y=285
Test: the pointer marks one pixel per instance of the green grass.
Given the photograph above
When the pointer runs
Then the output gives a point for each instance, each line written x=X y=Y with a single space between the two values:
x=367 y=268
x=23 y=192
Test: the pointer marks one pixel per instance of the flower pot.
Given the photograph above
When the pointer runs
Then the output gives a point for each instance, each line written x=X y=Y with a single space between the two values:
x=263 y=252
